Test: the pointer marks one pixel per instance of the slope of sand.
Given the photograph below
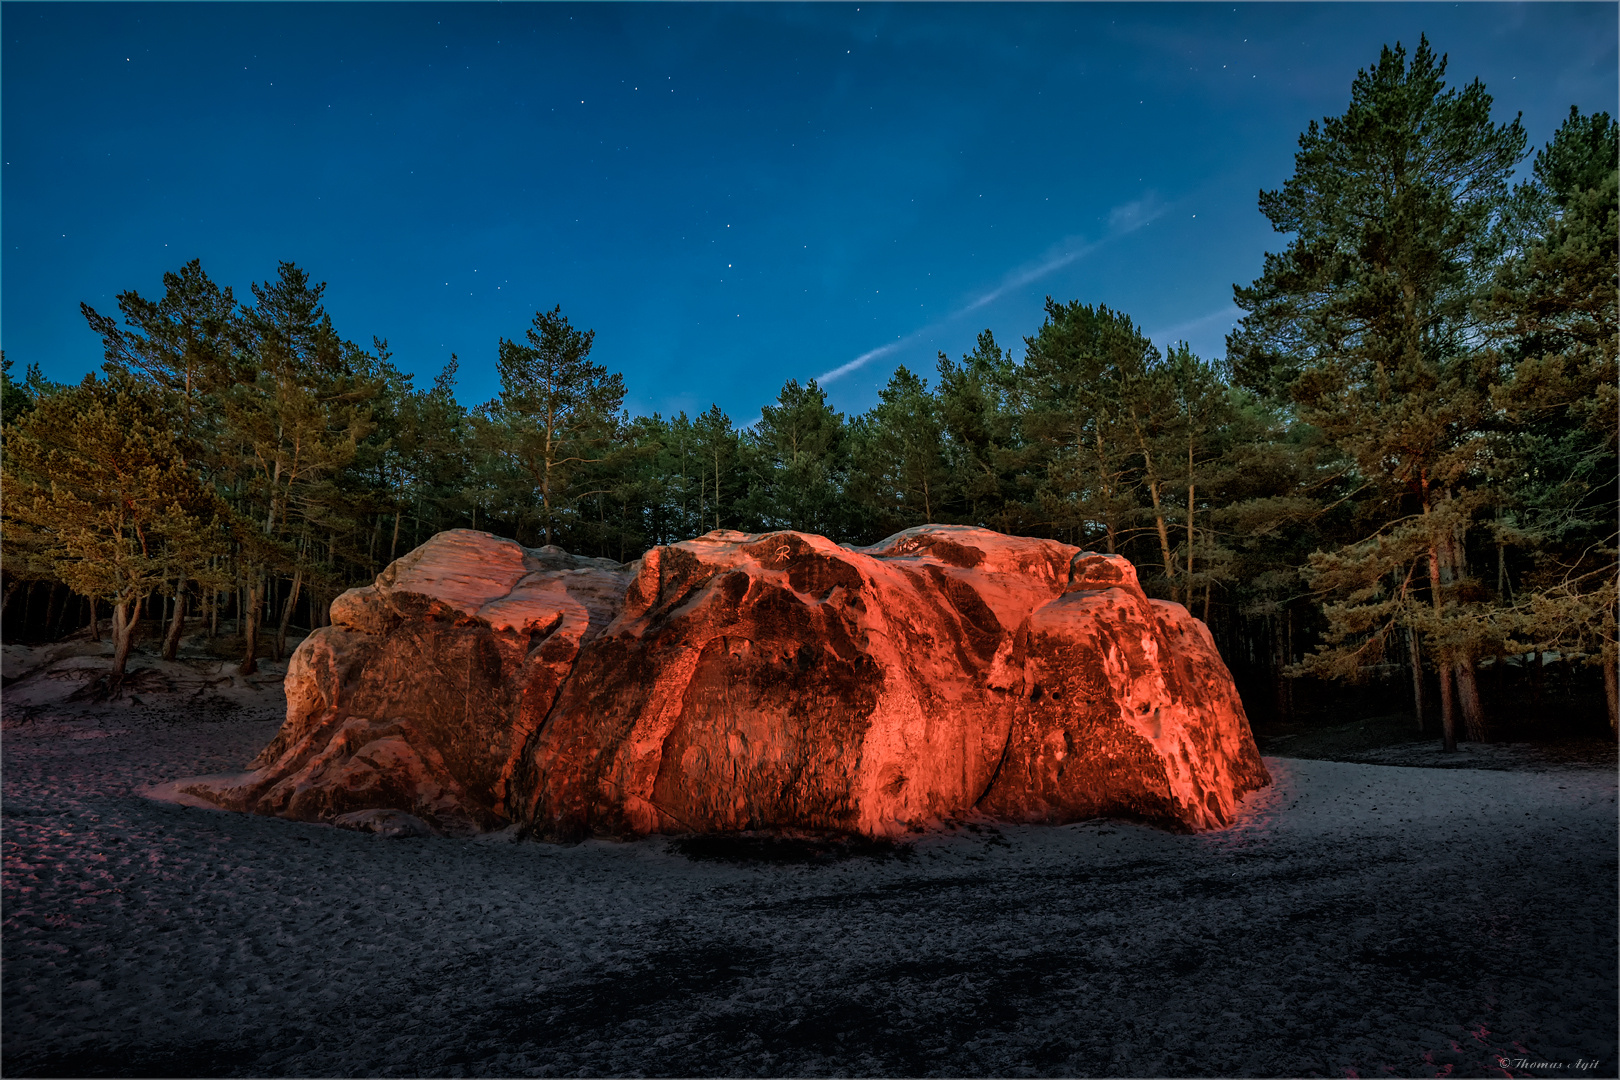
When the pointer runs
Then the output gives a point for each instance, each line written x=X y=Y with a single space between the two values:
x=1359 y=920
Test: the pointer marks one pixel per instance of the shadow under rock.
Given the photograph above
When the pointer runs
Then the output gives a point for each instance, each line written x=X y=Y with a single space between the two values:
x=785 y=848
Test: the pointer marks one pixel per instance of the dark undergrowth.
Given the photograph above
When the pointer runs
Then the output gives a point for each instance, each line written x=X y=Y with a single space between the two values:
x=1553 y=737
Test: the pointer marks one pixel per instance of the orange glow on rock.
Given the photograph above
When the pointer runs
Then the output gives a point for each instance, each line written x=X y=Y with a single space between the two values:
x=739 y=681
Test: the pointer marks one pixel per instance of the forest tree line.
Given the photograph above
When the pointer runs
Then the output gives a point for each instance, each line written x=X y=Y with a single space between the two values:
x=1403 y=467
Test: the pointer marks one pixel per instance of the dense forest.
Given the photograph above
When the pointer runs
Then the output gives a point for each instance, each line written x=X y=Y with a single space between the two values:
x=1404 y=470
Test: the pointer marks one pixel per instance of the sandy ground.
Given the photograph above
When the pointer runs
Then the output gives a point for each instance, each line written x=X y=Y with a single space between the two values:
x=1360 y=920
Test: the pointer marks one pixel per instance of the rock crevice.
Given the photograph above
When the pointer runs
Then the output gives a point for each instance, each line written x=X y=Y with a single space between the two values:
x=753 y=681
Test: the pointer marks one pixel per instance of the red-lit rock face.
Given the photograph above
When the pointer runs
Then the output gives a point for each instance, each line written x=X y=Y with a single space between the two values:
x=745 y=681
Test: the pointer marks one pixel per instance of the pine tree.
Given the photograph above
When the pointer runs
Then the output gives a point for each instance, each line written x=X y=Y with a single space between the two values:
x=14 y=399
x=717 y=446
x=21 y=558
x=801 y=443
x=1194 y=443
x=297 y=412
x=1556 y=321
x=99 y=482
x=187 y=343
x=1364 y=322
x=1092 y=396
x=555 y=412
x=899 y=471
x=187 y=346
x=986 y=452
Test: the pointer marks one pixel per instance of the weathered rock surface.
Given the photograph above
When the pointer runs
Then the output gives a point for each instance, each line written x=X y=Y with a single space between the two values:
x=742 y=681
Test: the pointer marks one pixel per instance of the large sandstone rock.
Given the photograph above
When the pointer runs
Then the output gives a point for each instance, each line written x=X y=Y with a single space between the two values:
x=744 y=681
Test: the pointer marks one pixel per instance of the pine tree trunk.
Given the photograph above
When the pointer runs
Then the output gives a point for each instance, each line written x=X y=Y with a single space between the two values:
x=1442 y=664
x=545 y=495
x=95 y=619
x=1611 y=679
x=11 y=590
x=1451 y=564
x=1190 y=520
x=1209 y=582
x=287 y=611
x=1279 y=660
x=1164 y=540
x=70 y=621
x=1611 y=690
x=51 y=613
x=124 y=618
x=1468 y=698
x=1448 y=715
x=250 y=629
x=1190 y=515
x=272 y=595
x=171 y=642
x=1288 y=651
x=393 y=545
x=63 y=619
x=1108 y=490
x=1415 y=650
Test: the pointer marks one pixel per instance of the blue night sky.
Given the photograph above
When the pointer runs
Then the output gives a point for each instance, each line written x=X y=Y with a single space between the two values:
x=730 y=195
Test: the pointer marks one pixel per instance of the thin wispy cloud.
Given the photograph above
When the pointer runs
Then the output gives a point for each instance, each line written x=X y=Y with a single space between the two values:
x=1226 y=313
x=1122 y=220
x=1019 y=278
x=867 y=357
x=1128 y=217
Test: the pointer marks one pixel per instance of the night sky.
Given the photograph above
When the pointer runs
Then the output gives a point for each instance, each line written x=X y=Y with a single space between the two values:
x=730 y=195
